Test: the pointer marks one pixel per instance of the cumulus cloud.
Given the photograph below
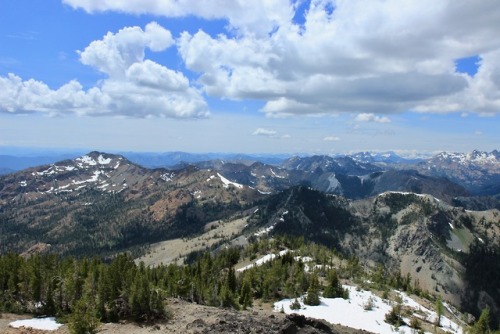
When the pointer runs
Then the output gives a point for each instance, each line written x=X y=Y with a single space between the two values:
x=344 y=56
x=368 y=117
x=357 y=58
x=115 y=53
x=265 y=132
x=134 y=86
x=246 y=17
x=331 y=138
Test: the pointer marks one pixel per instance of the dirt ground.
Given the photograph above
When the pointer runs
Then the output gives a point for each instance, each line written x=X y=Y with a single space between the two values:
x=191 y=318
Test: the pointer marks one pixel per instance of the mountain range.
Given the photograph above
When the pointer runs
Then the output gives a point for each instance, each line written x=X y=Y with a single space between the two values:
x=411 y=217
x=478 y=172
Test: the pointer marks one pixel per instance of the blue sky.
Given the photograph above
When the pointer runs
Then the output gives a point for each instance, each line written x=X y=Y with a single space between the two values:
x=264 y=76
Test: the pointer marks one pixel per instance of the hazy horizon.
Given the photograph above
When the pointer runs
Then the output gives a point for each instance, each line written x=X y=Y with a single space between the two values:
x=318 y=77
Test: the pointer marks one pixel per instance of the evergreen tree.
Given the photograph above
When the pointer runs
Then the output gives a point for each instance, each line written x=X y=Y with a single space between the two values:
x=246 y=298
x=84 y=318
x=482 y=326
x=334 y=289
x=439 y=310
x=139 y=297
x=312 y=297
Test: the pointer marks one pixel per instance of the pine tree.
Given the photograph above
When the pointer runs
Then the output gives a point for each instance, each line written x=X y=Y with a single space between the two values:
x=246 y=298
x=139 y=297
x=482 y=326
x=84 y=318
x=334 y=289
x=439 y=310
x=312 y=297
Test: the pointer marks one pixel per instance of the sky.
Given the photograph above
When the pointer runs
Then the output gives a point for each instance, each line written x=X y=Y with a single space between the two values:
x=261 y=76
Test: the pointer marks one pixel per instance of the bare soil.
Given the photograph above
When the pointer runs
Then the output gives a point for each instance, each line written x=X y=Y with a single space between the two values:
x=191 y=318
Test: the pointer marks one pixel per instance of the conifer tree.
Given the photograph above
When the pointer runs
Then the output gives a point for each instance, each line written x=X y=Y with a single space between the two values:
x=246 y=298
x=84 y=318
x=482 y=326
x=334 y=289
x=312 y=297
x=139 y=297
x=439 y=310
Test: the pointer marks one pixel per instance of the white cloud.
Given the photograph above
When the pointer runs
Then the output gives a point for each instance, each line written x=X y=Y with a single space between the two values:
x=115 y=53
x=359 y=58
x=134 y=86
x=265 y=132
x=369 y=117
x=331 y=138
x=247 y=17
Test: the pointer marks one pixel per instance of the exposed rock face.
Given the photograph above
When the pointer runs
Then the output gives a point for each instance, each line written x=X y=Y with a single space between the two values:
x=412 y=233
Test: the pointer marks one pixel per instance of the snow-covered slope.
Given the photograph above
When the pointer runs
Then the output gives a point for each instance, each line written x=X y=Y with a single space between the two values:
x=354 y=312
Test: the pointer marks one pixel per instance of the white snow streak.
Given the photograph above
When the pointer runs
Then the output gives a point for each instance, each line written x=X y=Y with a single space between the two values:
x=227 y=182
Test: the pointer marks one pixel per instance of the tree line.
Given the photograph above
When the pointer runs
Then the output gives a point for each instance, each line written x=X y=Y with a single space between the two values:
x=86 y=291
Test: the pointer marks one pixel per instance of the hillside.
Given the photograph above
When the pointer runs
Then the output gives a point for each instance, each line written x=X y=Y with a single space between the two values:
x=104 y=203
x=417 y=235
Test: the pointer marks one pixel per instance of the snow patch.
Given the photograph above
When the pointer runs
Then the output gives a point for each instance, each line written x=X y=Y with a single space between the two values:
x=47 y=324
x=101 y=160
x=276 y=175
x=167 y=177
x=87 y=160
x=226 y=182
x=262 y=260
x=264 y=231
x=351 y=312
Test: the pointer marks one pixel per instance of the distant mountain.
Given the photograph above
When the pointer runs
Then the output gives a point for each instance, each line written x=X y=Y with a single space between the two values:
x=173 y=159
x=323 y=163
x=477 y=171
x=104 y=203
x=336 y=175
x=386 y=158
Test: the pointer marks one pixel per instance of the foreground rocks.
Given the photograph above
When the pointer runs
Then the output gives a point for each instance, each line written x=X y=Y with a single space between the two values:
x=191 y=318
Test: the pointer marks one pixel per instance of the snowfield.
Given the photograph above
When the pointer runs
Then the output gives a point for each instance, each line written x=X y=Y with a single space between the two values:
x=226 y=182
x=352 y=313
x=47 y=324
